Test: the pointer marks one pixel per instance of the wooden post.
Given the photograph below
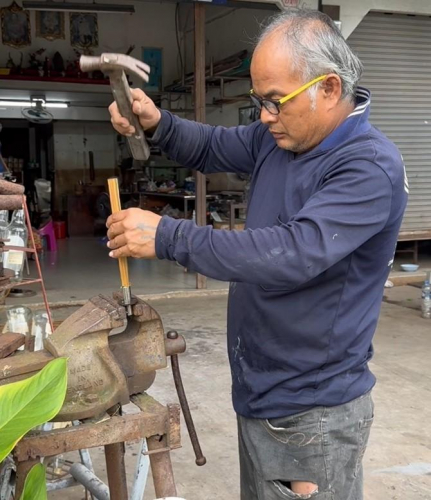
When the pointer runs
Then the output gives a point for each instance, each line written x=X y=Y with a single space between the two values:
x=199 y=91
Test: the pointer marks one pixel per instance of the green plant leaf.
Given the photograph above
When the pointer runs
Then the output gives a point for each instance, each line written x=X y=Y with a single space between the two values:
x=31 y=402
x=35 y=484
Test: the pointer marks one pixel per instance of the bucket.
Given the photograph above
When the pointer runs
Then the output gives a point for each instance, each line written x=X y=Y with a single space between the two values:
x=60 y=229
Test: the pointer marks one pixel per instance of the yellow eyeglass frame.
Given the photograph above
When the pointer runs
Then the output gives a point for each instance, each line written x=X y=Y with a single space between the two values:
x=288 y=97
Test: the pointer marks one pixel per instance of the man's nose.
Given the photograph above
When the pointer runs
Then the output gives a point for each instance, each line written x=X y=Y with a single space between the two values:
x=266 y=117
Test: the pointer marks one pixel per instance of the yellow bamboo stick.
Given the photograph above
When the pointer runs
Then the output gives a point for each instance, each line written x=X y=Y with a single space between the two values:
x=114 y=195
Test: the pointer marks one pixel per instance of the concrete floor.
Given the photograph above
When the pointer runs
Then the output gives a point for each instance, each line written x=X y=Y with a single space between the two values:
x=82 y=268
x=398 y=460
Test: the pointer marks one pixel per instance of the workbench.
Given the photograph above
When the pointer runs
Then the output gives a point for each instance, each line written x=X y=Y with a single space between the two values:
x=182 y=197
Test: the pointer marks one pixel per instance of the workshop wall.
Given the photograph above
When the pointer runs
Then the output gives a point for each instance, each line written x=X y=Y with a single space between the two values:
x=153 y=25
x=240 y=28
x=72 y=143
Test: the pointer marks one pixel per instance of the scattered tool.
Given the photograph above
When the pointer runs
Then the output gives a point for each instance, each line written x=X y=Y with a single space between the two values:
x=114 y=65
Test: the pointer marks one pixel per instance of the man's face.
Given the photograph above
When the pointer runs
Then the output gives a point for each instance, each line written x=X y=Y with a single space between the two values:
x=299 y=126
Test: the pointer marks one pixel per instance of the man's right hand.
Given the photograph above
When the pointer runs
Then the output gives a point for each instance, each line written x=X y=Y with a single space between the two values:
x=148 y=113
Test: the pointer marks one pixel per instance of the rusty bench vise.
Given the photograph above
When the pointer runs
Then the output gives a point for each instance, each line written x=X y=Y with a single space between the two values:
x=111 y=357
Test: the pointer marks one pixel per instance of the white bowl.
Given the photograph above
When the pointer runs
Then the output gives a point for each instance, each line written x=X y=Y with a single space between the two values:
x=409 y=268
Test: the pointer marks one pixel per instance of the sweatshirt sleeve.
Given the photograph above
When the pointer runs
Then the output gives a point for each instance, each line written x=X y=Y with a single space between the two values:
x=352 y=206
x=206 y=148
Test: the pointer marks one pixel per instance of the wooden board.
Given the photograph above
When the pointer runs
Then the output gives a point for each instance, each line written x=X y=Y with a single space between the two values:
x=10 y=342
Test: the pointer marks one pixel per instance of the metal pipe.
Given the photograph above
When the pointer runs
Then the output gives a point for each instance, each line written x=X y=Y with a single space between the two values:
x=90 y=481
x=36 y=259
x=200 y=70
x=141 y=473
x=61 y=484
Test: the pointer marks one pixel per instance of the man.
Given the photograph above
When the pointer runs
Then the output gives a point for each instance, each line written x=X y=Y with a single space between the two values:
x=327 y=197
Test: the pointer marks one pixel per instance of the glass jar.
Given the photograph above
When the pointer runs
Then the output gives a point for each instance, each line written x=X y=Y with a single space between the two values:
x=19 y=321
x=18 y=234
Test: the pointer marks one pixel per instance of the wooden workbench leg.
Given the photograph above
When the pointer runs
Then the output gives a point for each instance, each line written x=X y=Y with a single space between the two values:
x=22 y=469
x=116 y=471
x=161 y=467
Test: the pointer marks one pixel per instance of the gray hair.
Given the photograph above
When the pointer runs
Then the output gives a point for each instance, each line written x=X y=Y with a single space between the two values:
x=317 y=47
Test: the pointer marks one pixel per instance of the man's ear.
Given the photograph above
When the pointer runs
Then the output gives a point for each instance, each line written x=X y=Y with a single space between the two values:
x=332 y=88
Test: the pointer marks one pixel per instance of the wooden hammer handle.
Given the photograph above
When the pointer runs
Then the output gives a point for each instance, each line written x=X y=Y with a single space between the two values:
x=123 y=97
x=114 y=195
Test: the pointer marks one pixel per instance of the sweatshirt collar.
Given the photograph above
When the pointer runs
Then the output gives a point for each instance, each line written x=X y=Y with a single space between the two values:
x=355 y=124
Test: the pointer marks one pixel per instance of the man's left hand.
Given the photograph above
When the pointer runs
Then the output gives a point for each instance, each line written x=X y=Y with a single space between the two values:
x=132 y=233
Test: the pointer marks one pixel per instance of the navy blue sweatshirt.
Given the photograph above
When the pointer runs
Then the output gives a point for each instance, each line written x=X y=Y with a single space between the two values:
x=307 y=273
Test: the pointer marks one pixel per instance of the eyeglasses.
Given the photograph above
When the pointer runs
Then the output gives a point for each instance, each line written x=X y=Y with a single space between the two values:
x=273 y=105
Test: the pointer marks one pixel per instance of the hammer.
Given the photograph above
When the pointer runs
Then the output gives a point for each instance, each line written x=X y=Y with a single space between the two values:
x=114 y=65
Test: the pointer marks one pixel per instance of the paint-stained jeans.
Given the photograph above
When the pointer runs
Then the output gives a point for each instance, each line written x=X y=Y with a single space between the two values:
x=324 y=446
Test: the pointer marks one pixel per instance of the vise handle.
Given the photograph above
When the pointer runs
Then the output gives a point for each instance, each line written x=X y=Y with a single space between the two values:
x=200 y=459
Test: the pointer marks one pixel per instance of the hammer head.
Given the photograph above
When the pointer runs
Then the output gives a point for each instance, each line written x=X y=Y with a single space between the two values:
x=115 y=62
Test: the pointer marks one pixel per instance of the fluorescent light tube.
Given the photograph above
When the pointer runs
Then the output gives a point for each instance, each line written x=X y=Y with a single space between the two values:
x=62 y=105
x=30 y=104
x=15 y=104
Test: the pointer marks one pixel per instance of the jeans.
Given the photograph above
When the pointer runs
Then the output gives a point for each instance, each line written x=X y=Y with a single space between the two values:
x=323 y=446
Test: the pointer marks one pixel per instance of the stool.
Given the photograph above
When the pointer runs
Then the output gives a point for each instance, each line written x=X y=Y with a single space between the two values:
x=48 y=231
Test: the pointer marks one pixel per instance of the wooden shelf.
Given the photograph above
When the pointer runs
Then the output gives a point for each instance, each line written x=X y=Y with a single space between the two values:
x=17 y=284
x=55 y=79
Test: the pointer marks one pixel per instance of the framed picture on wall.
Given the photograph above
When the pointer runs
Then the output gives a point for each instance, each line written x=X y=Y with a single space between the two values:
x=84 y=30
x=50 y=25
x=15 y=26
x=154 y=58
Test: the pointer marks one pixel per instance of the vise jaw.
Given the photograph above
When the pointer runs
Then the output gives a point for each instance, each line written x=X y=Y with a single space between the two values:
x=111 y=356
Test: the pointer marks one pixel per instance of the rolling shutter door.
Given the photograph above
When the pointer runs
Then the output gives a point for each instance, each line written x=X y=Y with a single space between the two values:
x=396 y=53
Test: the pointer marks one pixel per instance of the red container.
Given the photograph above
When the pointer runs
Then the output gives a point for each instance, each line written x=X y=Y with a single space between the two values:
x=60 y=229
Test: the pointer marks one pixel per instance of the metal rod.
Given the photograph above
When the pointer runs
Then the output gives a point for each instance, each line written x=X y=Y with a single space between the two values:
x=161 y=468
x=199 y=83
x=84 y=453
x=141 y=473
x=62 y=484
x=200 y=459
x=36 y=259
x=90 y=481
x=116 y=471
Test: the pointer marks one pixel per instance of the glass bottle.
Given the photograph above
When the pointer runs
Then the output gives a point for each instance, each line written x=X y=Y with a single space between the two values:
x=4 y=231
x=14 y=215
x=40 y=329
x=18 y=234
x=426 y=300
